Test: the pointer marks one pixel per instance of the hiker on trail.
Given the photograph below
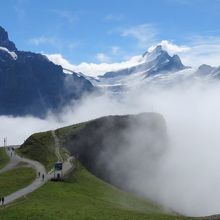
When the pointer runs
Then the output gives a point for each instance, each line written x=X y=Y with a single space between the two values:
x=43 y=177
x=3 y=200
x=38 y=174
x=58 y=176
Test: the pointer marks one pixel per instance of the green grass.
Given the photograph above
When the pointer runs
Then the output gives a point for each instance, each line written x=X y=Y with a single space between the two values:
x=40 y=147
x=82 y=197
x=63 y=133
x=4 y=158
x=16 y=179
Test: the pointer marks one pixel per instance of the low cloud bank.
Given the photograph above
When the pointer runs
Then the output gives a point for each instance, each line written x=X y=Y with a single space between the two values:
x=188 y=180
x=196 y=52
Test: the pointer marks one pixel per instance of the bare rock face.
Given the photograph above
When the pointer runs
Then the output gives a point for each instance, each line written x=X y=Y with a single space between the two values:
x=5 y=42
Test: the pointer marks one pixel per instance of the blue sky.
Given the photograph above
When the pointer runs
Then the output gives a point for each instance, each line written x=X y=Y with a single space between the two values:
x=108 y=31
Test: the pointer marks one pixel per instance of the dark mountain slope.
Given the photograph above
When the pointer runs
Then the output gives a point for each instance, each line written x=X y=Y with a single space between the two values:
x=5 y=42
x=31 y=84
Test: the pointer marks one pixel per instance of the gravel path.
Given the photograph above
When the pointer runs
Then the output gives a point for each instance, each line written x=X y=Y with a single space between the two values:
x=57 y=146
x=39 y=181
x=14 y=160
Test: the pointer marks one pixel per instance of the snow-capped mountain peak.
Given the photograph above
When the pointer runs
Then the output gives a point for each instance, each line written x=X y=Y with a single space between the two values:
x=152 y=55
x=155 y=62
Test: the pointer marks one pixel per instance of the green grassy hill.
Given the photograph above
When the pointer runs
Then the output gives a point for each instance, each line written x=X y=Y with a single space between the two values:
x=16 y=179
x=82 y=196
x=40 y=147
x=4 y=159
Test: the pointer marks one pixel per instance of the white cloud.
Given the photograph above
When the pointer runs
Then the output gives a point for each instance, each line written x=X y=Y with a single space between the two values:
x=54 y=42
x=115 y=50
x=93 y=69
x=171 y=48
x=103 y=58
x=203 y=50
x=114 y=17
x=71 y=17
x=145 y=34
x=60 y=60
x=43 y=40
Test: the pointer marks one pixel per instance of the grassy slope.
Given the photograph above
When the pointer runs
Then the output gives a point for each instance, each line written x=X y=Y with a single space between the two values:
x=4 y=159
x=40 y=147
x=83 y=197
x=15 y=179
x=62 y=133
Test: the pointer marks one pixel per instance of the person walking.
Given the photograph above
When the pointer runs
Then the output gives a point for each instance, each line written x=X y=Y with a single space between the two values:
x=3 y=200
x=42 y=177
x=38 y=174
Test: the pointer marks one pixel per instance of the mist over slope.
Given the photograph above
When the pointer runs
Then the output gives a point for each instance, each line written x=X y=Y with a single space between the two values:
x=188 y=176
x=114 y=148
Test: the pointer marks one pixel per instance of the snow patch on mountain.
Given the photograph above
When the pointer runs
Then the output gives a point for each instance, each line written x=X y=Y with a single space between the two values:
x=13 y=55
x=94 y=69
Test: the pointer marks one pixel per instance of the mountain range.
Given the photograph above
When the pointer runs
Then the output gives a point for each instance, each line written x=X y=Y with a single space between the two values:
x=157 y=68
x=30 y=84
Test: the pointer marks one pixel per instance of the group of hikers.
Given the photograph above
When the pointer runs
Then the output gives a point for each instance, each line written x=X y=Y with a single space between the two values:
x=12 y=151
x=42 y=176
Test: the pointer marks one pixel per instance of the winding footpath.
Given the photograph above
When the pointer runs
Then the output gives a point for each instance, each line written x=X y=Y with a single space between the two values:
x=57 y=146
x=38 y=182
x=14 y=160
x=39 y=168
